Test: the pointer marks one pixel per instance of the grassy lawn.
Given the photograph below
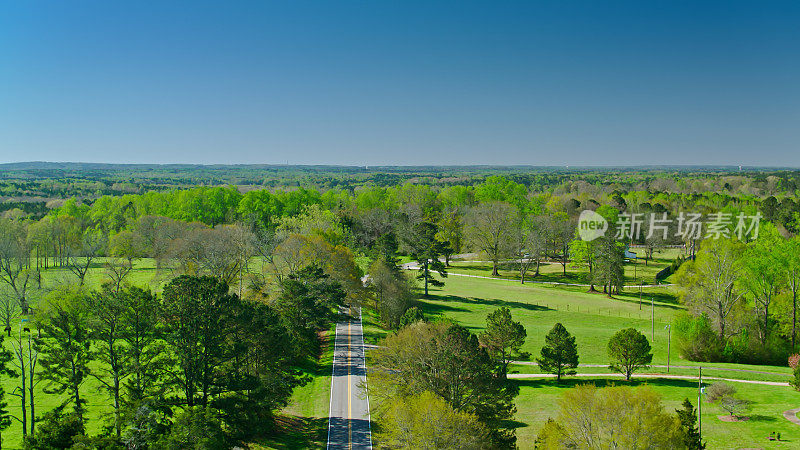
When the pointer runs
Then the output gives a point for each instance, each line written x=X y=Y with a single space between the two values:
x=636 y=271
x=593 y=319
x=538 y=400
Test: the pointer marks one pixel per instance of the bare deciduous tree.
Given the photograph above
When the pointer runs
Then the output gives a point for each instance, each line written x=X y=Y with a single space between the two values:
x=80 y=259
x=9 y=309
x=489 y=229
x=15 y=260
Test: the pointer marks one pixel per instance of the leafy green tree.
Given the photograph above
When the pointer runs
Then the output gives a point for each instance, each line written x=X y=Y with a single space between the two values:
x=790 y=258
x=26 y=358
x=391 y=290
x=426 y=250
x=144 y=348
x=195 y=428
x=447 y=360
x=308 y=301
x=560 y=353
x=612 y=417
x=451 y=233
x=795 y=383
x=629 y=351
x=197 y=313
x=314 y=221
x=688 y=419
x=710 y=283
x=56 y=431
x=65 y=348
x=696 y=338
x=412 y=315
x=261 y=375
x=107 y=310
x=426 y=421
x=608 y=266
x=123 y=326
x=259 y=206
x=584 y=252
x=503 y=337
x=764 y=274
x=143 y=428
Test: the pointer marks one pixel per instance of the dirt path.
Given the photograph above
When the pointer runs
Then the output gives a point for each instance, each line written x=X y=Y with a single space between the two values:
x=791 y=416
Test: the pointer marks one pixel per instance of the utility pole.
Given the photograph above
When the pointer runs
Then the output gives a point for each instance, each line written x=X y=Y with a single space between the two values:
x=653 y=317
x=669 y=340
x=699 y=404
x=641 y=283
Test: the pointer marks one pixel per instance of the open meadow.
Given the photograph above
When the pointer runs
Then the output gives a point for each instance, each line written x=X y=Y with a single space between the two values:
x=593 y=318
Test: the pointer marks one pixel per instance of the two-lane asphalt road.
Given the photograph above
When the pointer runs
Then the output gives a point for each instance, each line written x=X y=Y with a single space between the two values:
x=349 y=426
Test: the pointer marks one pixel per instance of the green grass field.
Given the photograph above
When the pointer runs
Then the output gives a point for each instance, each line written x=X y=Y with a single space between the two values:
x=593 y=319
x=553 y=272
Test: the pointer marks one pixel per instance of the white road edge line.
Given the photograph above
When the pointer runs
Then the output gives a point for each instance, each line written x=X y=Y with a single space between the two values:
x=333 y=371
x=364 y=358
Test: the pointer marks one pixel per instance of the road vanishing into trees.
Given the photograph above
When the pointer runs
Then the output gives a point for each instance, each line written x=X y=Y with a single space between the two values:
x=349 y=421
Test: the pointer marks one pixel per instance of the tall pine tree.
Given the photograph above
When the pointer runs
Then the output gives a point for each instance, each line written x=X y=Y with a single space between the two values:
x=560 y=353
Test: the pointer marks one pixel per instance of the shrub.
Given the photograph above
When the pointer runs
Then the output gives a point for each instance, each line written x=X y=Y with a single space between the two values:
x=794 y=361
x=746 y=348
x=413 y=314
x=195 y=428
x=696 y=338
x=56 y=430
x=719 y=390
x=796 y=381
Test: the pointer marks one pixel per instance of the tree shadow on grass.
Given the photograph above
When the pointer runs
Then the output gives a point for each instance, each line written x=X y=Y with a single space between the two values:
x=666 y=301
x=436 y=308
x=761 y=418
x=513 y=424
x=439 y=308
x=290 y=432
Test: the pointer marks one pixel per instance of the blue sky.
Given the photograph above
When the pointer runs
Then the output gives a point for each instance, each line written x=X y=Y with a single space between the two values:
x=387 y=82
